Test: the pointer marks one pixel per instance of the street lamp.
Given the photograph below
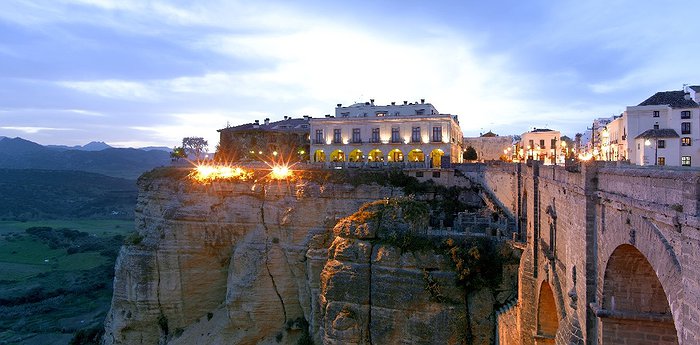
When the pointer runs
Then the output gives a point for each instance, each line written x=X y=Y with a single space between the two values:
x=656 y=149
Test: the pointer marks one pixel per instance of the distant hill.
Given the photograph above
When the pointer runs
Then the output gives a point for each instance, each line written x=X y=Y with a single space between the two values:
x=45 y=194
x=18 y=153
x=159 y=148
x=91 y=146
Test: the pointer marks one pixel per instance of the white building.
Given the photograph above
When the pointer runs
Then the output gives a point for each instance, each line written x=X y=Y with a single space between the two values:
x=665 y=129
x=408 y=134
x=541 y=144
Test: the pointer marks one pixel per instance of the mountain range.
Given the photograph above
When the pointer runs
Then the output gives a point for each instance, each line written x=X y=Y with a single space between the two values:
x=95 y=157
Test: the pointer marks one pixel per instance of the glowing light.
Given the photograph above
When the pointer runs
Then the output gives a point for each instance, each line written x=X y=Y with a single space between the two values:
x=647 y=142
x=280 y=172
x=274 y=153
x=207 y=173
x=585 y=157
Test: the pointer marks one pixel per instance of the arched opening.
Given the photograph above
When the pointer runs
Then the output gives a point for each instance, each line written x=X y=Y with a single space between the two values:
x=375 y=156
x=436 y=158
x=547 y=319
x=319 y=156
x=635 y=304
x=395 y=155
x=355 y=156
x=416 y=156
x=337 y=156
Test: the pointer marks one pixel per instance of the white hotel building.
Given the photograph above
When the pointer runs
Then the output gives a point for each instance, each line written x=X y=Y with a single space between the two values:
x=365 y=134
x=662 y=130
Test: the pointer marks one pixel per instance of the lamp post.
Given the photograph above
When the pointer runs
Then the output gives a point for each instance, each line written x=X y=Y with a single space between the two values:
x=656 y=149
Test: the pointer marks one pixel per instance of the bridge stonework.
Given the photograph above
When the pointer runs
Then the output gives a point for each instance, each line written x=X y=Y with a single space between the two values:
x=612 y=254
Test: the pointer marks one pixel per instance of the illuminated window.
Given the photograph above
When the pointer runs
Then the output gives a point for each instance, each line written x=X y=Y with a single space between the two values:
x=661 y=161
x=685 y=161
x=685 y=141
x=415 y=135
x=381 y=113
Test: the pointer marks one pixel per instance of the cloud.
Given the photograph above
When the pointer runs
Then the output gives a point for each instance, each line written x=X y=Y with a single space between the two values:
x=118 y=89
x=34 y=130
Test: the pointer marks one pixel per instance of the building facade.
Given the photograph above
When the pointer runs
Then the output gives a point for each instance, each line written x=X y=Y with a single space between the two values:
x=408 y=134
x=286 y=140
x=665 y=129
x=490 y=146
x=541 y=144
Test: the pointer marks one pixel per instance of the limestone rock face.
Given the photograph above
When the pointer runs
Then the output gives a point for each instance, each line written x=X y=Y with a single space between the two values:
x=226 y=263
x=287 y=262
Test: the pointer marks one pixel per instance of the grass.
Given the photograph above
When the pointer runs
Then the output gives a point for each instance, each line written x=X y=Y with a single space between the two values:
x=47 y=294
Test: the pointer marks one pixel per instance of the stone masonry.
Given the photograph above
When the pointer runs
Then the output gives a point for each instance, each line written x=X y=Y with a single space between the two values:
x=612 y=253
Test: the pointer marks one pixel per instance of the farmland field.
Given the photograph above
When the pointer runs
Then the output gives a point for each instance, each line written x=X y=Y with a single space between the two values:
x=56 y=277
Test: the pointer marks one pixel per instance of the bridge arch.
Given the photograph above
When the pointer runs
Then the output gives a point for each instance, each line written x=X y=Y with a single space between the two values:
x=547 y=316
x=648 y=240
x=635 y=307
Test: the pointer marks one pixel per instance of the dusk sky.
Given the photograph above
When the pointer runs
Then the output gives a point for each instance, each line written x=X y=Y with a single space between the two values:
x=139 y=73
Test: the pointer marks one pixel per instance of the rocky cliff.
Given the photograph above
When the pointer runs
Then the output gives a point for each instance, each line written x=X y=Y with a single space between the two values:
x=269 y=263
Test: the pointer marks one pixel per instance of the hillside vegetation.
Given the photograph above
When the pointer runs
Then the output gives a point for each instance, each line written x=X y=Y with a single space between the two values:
x=29 y=194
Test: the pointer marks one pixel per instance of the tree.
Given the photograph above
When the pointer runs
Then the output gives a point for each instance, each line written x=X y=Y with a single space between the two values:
x=177 y=153
x=470 y=154
x=194 y=146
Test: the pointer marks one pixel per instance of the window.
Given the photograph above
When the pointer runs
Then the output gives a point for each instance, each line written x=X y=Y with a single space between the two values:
x=553 y=144
x=381 y=113
x=436 y=174
x=319 y=137
x=656 y=113
x=685 y=127
x=661 y=161
x=395 y=135
x=530 y=144
x=656 y=125
x=336 y=135
x=415 y=135
x=437 y=134
x=685 y=141
x=685 y=114
x=375 y=135
x=345 y=114
x=356 y=135
x=419 y=174
x=542 y=144
x=685 y=161
x=661 y=144
x=420 y=112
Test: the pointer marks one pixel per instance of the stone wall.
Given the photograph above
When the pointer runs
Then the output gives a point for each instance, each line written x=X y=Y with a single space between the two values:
x=583 y=229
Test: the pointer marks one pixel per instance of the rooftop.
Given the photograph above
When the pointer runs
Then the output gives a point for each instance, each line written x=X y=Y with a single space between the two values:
x=658 y=133
x=288 y=124
x=674 y=99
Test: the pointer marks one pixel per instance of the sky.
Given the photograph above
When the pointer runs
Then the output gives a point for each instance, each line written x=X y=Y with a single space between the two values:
x=139 y=73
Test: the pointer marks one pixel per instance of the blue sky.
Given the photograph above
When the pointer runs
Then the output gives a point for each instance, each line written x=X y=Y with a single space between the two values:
x=139 y=73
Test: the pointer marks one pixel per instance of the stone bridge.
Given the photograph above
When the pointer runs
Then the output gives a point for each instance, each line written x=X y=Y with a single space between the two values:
x=611 y=253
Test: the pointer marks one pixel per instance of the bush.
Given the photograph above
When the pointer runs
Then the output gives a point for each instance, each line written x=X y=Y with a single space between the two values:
x=88 y=336
x=133 y=239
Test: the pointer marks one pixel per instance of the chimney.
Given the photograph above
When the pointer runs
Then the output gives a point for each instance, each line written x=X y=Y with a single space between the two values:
x=371 y=101
x=306 y=117
x=328 y=115
x=405 y=102
x=339 y=105
x=393 y=103
x=286 y=117
x=257 y=122
x=422 y=101
x=267 y=121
